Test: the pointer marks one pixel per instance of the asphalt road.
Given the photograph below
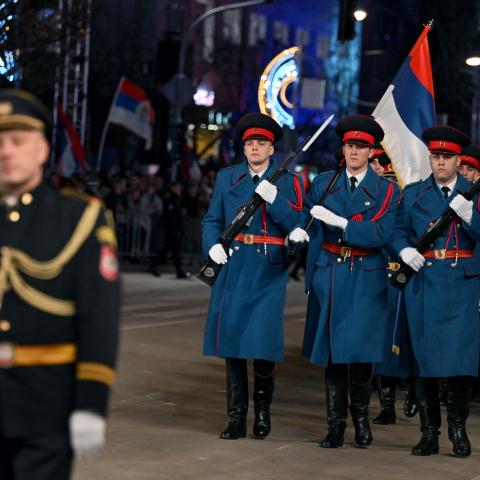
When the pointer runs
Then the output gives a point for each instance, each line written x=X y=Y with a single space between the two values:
x=168 y=407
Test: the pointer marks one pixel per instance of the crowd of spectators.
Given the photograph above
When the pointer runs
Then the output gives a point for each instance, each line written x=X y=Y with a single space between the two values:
x=156 y=219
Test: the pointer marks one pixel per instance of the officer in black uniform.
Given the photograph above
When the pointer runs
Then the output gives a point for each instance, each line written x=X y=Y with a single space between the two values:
x=59 y=302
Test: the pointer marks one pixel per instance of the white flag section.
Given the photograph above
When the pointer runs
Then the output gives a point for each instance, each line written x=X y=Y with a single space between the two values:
x=405 y=111
x=131 y=109
x=408 y=153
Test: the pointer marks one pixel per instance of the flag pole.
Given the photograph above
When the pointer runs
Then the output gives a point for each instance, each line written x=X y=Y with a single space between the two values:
x=105 y=128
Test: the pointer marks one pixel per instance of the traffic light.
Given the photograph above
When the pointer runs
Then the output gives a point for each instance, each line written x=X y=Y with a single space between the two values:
x=346 y=20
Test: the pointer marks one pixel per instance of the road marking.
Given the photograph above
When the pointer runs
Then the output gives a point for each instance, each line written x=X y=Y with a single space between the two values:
x=158 y=324
x=147 y=306
x=175 y=313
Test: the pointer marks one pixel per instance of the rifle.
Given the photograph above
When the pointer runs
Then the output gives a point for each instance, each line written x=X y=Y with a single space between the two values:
x=294 y=246
x=400 y=278
x=209 y=272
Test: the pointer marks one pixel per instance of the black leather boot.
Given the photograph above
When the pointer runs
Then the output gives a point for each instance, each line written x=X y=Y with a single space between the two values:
x=386 y=394
x=237 y=399
x=430 y=417
x=262 y=398
x=337 y=401
x=410 y=407
x=359 y=401
x=457 y=413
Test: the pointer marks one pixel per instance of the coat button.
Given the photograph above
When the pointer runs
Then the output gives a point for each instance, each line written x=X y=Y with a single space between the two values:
x=14 y=216
x=4 y=325
x=429 y=264
x=339 y=260
x=339 y=240
x=453 y=265
x=360 y=259
x=27 y=198
x=258 y=250
x=236 y=247
x=367 y=203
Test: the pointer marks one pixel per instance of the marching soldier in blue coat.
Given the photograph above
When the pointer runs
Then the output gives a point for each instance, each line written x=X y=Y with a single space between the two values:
x=442 y=298
x=346 y=271
x=245 y=319
x=59 y=301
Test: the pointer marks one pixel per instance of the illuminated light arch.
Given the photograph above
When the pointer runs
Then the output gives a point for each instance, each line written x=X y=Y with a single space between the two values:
x=282 y=71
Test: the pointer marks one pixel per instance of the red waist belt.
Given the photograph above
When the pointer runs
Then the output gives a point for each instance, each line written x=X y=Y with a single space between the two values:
x=348 y=251
x=249 y=239
x=442 y=254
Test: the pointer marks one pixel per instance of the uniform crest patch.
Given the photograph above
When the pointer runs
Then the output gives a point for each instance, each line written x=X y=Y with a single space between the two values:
x=108 y=265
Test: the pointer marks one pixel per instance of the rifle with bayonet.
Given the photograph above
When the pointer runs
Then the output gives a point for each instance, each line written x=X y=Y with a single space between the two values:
x=293 y=247
x=401 y=277
x=209 y=272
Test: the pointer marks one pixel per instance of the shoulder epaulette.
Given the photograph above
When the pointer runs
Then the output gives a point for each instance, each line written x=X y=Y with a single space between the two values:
x=78 y=195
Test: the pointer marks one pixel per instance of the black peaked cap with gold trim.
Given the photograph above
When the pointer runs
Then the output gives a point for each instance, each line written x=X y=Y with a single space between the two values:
x=22 y=110
x=258 y=126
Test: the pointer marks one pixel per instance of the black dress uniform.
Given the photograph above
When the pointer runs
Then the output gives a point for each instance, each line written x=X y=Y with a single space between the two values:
x=59 y=302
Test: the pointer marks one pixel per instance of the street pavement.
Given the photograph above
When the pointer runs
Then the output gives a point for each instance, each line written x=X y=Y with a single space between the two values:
x=168 y=407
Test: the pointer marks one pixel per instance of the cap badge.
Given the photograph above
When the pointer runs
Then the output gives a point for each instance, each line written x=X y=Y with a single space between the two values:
x=442 y=143
x=357 y=133
x=6 y=108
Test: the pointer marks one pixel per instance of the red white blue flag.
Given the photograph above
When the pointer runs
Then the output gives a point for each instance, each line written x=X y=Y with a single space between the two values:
x=406 y=109
x=72 y=153
x=131 y=109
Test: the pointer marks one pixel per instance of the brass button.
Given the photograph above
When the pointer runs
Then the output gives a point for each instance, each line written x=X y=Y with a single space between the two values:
x=14 y=216
x=429 y=264
x=27 y=198
x=4 y=325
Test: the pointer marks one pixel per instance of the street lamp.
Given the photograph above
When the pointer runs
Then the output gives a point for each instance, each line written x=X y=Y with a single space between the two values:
x=182 y=86
x=473 y=61
x=360 y=15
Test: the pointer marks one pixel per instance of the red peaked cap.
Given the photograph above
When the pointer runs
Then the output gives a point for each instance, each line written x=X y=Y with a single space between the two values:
x=471 y=156
x=361 y=129
x=258 y=126
x=445 y=139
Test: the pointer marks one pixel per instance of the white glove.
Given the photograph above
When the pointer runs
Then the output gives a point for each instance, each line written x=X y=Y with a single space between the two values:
x=298 y=235
x=267 y=190
x=217 y=254
x=87 y=433
x=328 y=217
x=463 y=208
x=412 y=257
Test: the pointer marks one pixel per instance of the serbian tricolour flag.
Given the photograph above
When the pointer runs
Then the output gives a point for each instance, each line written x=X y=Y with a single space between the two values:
x=131 y=109
x=406 y=109
x=72 y=154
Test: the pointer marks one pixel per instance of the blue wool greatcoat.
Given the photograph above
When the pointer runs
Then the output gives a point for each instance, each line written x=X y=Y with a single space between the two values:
x=245 y=318
x=442 y=298
x=347 y=304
